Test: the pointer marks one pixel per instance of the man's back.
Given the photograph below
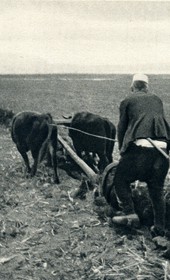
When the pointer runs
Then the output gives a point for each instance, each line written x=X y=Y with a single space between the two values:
x=144 y=104
x=142 y=116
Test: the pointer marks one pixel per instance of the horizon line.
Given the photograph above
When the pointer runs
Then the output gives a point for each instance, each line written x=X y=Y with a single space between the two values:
x=86 y=73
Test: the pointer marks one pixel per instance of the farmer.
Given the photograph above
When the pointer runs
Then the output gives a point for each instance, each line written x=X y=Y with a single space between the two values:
x=142 y=117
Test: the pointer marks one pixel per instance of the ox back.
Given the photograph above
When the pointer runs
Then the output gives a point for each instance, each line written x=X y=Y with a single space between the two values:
x=34 y=132
x=97 y=125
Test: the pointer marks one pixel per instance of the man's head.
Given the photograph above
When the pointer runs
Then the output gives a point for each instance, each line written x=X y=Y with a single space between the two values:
x=139 y=83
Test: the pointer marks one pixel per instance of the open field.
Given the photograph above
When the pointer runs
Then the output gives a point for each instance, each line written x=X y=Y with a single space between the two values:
x=64 y=94
x=45 y=234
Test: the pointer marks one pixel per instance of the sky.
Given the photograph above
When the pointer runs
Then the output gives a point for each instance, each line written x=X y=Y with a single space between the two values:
x=50 y=36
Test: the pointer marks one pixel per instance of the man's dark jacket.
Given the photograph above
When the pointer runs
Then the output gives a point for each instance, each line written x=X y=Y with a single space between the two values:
x=141 y=116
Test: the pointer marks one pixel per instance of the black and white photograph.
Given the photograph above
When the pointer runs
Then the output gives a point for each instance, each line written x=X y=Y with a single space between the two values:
x=84 y=140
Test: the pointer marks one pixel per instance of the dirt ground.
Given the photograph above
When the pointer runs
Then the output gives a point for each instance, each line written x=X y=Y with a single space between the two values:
x=46 y=233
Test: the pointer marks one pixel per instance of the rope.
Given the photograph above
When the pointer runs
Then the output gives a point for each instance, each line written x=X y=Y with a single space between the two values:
x=90 y=134
x=159 y=149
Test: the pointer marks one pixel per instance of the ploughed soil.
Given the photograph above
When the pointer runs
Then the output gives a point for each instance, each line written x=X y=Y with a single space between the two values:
x=47 y=233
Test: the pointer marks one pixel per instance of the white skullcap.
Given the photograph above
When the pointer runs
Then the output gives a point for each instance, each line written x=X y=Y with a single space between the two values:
x=140 y=77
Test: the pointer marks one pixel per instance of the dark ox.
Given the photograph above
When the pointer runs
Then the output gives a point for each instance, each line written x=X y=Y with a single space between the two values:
x=97 y=125
x=36 y=133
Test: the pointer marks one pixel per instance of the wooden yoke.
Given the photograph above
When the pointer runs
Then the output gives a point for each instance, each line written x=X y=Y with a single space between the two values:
x=62 y=122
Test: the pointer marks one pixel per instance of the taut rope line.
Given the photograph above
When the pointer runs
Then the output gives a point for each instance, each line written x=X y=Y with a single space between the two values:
x=89 y=134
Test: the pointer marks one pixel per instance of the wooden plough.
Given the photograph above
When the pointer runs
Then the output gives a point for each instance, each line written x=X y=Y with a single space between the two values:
x=88 y=171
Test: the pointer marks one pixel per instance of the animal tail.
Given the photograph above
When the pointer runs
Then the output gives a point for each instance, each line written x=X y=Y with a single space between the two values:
x=12 y=129
x=45 y=143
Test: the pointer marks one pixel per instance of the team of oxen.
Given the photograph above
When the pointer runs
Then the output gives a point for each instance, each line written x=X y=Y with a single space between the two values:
x=91 y=134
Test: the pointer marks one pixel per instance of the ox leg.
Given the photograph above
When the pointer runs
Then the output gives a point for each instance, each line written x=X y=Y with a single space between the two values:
x=49 y=159
x=53 y=153
x=38 y=152
x=109 y=156
x=103 y=162
x=93 y=161
x=77 y=149
x=77 y=146
x=79 y=153
x=35 y=155
x=21 y=150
